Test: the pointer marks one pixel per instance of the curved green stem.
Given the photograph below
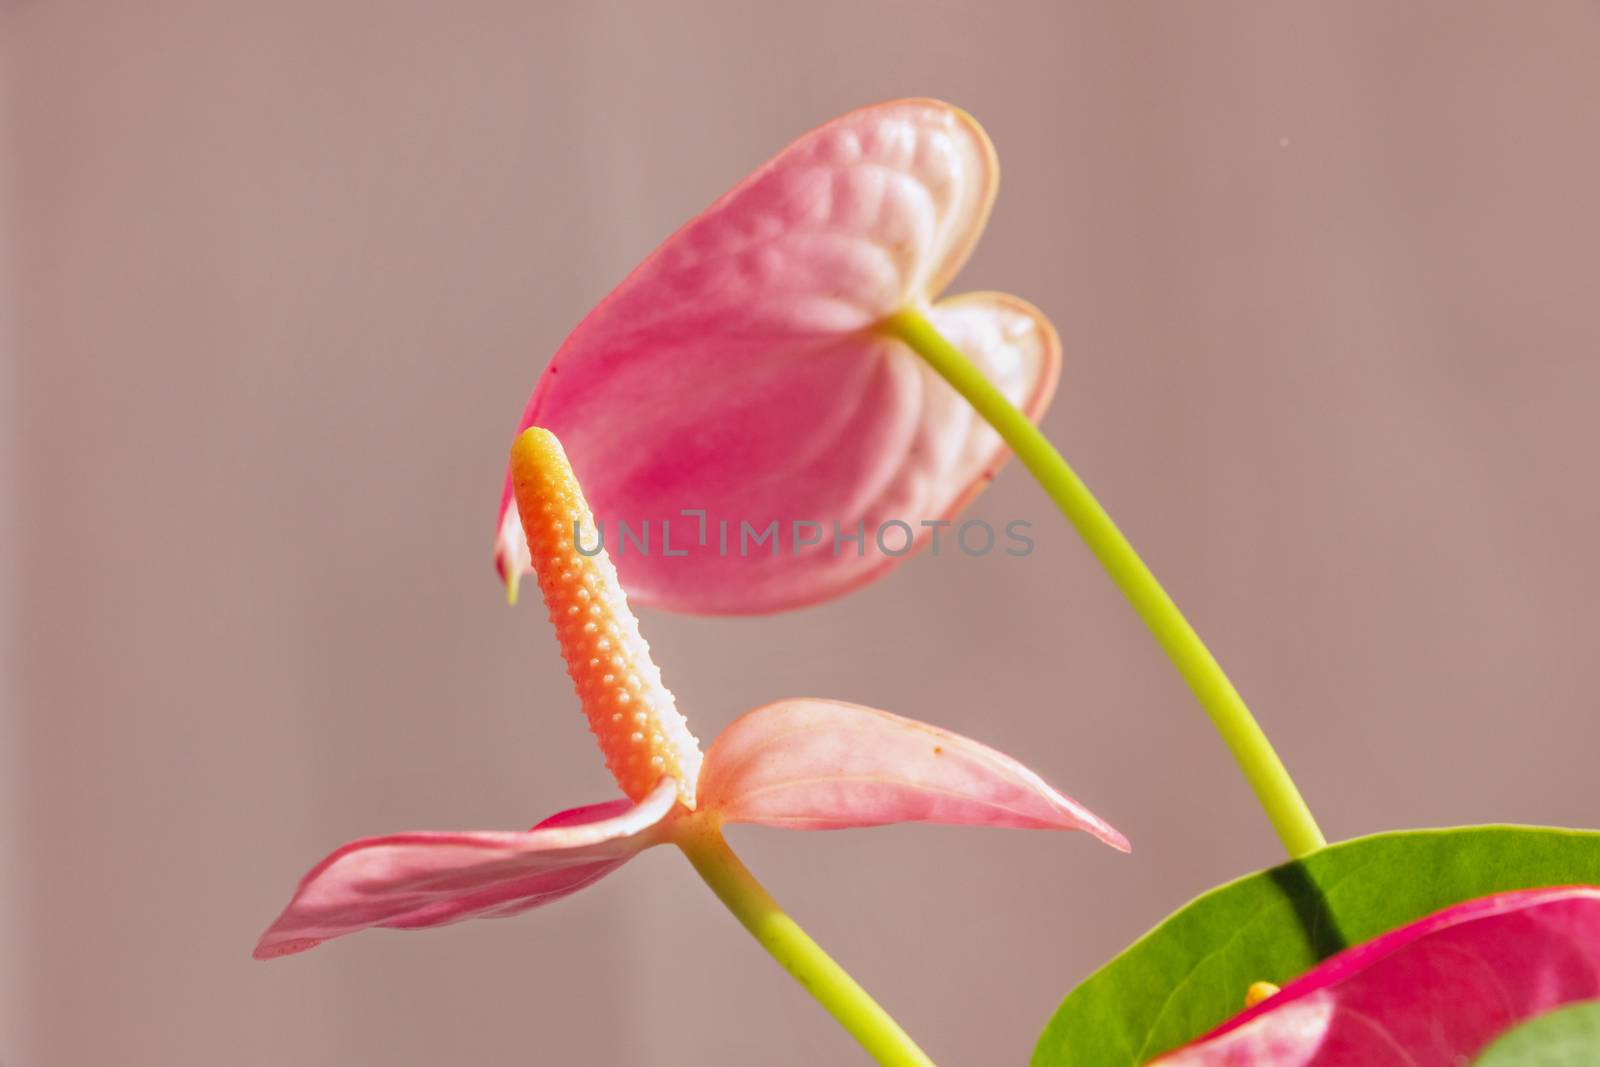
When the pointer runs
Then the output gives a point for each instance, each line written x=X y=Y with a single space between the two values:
x=1262 y=768
x=702 y=841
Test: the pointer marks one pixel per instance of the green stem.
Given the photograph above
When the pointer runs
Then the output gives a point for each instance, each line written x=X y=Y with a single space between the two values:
x=702 y=841
x=1251 y=750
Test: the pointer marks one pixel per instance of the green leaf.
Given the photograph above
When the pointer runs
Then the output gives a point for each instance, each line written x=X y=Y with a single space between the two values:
x=1566 y=1037
x=1190 y=973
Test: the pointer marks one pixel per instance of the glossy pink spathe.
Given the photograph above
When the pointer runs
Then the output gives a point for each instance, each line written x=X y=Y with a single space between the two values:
x=1431 y=994
x=801 y=764
x=737 y=371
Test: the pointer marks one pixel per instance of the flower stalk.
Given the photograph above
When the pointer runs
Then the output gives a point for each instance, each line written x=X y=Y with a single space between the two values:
x=1265 y=772
x=702 y=842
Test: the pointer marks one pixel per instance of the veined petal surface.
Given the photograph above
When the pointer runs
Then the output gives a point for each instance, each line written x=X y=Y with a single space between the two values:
x=423 y=879
x=826 y=765
x=737 y=372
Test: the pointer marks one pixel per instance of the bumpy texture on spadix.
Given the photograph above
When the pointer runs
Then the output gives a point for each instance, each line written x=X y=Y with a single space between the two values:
x=801 y=764
x=739 y=372
x=1430 y=994
x=634 y=717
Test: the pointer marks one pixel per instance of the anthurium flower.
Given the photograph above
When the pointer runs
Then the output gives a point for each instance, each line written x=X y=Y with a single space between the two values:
x=739 y=373
x=800 y=764
x=1431 y=994
x=780 y=406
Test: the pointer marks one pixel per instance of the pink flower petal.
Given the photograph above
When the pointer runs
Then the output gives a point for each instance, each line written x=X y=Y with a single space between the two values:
x=825 y=765
x=1431 y=993
x=430 y=879
x=736 y=372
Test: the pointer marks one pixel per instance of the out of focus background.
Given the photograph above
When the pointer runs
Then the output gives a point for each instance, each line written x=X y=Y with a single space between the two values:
x=277 y=278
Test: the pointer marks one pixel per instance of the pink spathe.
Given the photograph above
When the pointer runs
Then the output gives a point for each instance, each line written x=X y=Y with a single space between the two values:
x=827 y=765
x=800 y=764
x=1431 y=994
x=738 y=372
x=430 y=879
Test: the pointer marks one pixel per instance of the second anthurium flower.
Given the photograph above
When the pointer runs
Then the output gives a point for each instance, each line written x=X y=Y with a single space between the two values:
x=799 y=764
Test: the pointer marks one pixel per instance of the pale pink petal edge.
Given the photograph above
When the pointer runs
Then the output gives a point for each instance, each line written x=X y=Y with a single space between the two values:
x=823 y=764
x=425 y=879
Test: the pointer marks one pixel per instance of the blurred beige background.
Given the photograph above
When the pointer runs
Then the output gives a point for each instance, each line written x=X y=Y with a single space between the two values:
x=279 y=277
